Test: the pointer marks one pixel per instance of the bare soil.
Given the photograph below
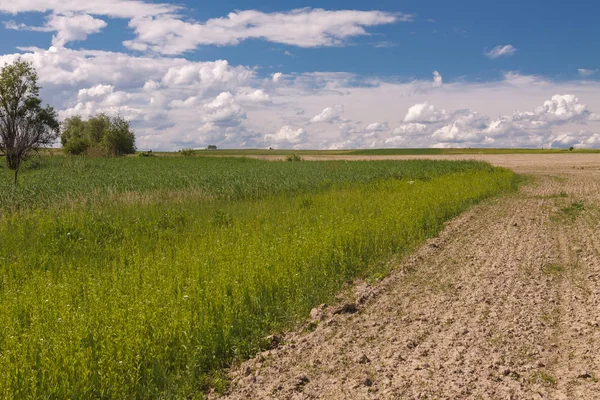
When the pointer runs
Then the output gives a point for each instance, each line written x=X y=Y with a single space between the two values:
x=504 y=304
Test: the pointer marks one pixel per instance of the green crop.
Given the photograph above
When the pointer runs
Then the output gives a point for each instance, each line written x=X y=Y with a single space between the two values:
x=141 y=277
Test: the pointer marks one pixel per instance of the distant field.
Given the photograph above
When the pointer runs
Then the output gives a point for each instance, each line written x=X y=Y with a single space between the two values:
x=367 y=152
x=143 y=277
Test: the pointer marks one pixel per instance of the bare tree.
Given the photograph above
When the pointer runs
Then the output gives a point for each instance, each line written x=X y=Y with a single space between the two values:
x=25 y=125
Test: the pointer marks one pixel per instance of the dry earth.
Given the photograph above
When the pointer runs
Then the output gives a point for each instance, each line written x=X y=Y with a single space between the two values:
x=505 y=304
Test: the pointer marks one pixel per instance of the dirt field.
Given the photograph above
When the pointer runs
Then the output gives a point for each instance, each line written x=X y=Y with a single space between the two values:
x=505 y=304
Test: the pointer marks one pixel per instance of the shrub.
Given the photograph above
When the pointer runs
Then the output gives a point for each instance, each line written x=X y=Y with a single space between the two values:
x=294 y=157
x=187 y=152
x=98 y=136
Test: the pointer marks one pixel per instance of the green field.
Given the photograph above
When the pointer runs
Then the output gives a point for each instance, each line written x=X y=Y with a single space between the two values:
x=144 y=277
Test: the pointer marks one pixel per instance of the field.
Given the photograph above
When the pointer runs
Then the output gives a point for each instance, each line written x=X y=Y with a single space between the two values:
x=504 y=303
x=145 y=277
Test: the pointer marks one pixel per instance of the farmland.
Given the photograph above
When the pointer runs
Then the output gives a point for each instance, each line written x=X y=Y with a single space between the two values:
x=143 y=277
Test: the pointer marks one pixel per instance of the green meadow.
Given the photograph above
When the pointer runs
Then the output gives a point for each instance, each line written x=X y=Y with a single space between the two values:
x=145 y=277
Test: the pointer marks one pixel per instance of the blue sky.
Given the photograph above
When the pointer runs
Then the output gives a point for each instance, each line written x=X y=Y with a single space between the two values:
x=320 y=74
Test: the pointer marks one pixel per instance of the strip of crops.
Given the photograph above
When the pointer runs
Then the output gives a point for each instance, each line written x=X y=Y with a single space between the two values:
x=147 y=300
x=71 y=181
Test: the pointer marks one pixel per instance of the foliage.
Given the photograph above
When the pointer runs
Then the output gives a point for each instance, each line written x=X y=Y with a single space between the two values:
x=118 y=139
x=211 y=147
x=145 y=297
x=187 y=152
x=294 y=157
x=99 y=135
x=24 y=124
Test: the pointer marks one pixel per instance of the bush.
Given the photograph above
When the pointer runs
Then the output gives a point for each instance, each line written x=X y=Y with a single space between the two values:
x=187 y=152
x=294 y=157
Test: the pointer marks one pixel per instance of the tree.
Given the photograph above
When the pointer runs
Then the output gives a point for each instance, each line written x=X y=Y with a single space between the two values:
x=118 y=138
x=109 y=135
x=73 y=137
x=24 y=124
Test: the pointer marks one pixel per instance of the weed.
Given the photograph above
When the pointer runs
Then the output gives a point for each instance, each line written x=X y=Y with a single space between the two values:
x=543 y=377
x=552 y=269
x=573 y=210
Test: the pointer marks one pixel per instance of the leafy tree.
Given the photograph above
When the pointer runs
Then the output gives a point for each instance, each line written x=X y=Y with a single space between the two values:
x=98 y=134
x=118 y=138
x=73 y=137
x=24 y=124
x=96 y=128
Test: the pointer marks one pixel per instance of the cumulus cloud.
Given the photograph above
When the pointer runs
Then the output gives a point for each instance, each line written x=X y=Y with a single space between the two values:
x=277 y=76
x=95 y=91
x=501 y=51
x=410 y=129
x=424 y=113
x=437 y=79
x=461 y=127
x=330 y=115
x=286 y=136
x=377 y=127
x=175 y=103
x=253 y=97
x=223 y=111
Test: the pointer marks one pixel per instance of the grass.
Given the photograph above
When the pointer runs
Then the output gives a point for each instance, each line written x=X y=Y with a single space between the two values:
x=553 y=269
x=573 y=210
x=144 y=277
x=76 y=181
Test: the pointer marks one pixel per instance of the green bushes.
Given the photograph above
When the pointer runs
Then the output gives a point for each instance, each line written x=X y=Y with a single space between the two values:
x=145 y=299
x=99 y=134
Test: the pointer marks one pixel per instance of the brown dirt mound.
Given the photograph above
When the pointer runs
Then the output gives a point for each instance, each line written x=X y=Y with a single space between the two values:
x=505 y=304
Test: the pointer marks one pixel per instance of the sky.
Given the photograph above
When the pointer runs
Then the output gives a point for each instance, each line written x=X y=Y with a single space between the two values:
x=323 y=74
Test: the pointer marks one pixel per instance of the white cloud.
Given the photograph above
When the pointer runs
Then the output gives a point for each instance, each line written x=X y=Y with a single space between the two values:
x=277 y=77
x=330 y=115
x=253 y=97
x=501 y=51
x=111 y=8
x=377 y=127
x=95 y=91
x=437 y=79
x=287 y=135
x=161 y=27
x=581 y=139
x=175 y=103
x=68 y=27
x=169 y=34
x=561 y=108
x=586 y=72
x=223 y=111
x=410 y=129
x=424 y=113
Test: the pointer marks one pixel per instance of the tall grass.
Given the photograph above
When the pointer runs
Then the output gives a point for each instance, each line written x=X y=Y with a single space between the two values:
x=130 y=300
x=64 y=181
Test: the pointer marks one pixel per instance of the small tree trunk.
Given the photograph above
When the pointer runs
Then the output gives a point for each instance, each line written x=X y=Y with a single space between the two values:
x=12 y=160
